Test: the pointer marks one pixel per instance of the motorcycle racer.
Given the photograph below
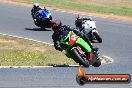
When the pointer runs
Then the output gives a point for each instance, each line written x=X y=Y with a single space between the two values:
x=88 y=27
x=60 y=38
x=33 y=13
x=58 y=28
x=79 y=22
x=41 y=16
x=35 y=9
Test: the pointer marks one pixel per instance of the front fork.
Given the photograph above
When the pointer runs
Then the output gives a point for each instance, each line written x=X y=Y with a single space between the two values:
x=68 y=54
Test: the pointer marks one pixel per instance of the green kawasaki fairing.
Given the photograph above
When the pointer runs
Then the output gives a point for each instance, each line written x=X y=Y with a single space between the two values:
x=70 y=41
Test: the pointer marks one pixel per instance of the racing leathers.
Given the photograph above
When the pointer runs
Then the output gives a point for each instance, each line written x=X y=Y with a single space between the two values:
x=33 y=12
x=35 y=18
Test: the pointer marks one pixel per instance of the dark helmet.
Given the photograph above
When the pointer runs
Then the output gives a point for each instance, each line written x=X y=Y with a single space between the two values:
x=56 y=26
x=79 y=17
x=36 y=5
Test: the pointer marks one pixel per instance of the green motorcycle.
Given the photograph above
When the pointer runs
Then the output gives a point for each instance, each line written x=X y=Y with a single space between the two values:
x=79 y=50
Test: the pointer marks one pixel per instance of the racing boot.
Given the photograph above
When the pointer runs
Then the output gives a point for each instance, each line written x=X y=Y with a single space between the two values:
x=94 y=61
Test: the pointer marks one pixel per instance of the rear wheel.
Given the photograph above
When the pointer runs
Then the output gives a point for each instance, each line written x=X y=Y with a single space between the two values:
x=78 y=59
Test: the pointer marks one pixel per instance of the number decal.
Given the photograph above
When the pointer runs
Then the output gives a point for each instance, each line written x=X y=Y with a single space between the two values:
x=73 y=38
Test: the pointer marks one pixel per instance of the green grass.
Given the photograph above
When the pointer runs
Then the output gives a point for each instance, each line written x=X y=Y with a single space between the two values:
x=20 y=52
x=117 y=7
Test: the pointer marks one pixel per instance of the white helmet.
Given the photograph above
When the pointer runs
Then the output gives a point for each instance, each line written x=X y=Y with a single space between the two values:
x=36 y=5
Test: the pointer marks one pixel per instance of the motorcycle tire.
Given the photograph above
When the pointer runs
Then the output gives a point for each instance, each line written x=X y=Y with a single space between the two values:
x=98 y=38
x=96 y=63
x=78 y=59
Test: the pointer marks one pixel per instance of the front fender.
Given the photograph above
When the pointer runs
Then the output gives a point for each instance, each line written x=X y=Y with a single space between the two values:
x=94 y=31
x=73 y=48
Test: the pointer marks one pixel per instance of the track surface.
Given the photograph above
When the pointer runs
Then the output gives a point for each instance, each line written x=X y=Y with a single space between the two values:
x=117 y=43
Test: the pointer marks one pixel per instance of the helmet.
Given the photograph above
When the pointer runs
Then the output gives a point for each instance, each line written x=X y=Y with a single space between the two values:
x=79 y=17
x=56 y=26
x=36 y=5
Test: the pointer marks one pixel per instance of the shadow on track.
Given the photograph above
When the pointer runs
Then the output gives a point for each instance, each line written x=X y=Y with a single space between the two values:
x=36 y=29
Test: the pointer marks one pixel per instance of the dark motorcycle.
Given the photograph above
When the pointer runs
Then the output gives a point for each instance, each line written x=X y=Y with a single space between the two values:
x=43 y=18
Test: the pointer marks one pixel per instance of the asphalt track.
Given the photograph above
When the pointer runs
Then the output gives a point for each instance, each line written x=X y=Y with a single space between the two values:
x=117 y=43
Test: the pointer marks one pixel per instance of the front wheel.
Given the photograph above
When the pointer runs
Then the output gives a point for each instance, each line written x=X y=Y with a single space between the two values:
x=96 y=62
x=97 y=36
x=78 y=59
